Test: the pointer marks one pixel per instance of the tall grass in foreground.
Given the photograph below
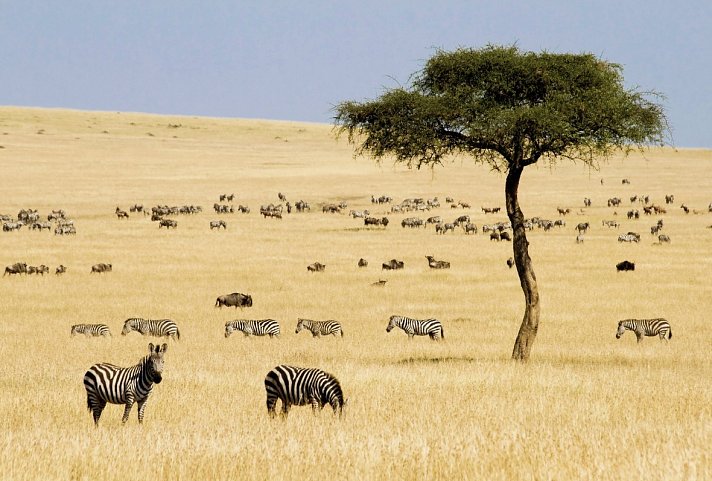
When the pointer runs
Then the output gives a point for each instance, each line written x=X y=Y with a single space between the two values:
x=586 y=406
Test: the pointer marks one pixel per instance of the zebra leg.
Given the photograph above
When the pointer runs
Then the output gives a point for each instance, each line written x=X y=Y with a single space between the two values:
x=127 y=409
x=315 y=404
x=639 y=336
x=285 y=409
x=141 y=409
x=96 y=410
x=271 y=405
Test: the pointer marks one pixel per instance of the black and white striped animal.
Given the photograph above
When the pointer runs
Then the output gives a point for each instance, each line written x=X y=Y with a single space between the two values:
x=645 y=327
x=629 y=237
x=107 y=383
x=320 y=328
x=152 y=327
x=417 y=327
x=298 y=386
x=263 y=327
x=90 y=330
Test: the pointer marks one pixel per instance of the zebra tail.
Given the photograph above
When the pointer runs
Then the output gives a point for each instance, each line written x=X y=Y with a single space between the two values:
x=670 y=334
x=178 y=334
x=442 y=332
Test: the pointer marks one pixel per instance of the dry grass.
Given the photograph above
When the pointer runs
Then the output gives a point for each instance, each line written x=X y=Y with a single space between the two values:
x=586 y=406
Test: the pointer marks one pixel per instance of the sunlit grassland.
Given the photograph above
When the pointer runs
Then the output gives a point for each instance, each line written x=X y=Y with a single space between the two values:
x=587 y=406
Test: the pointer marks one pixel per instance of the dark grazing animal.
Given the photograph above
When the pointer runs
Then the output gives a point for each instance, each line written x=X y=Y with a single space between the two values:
x=645 y=327
x=101 y=268
x=625 y=266
x=16 y=268
x=235 y=299
x=316 y=267
x=362 y=262
x=167 y=223
x=433 y=264
x=392 y=265
x=152 y=327
x=217 y=224
x=106 y=383
x=262 y=327
x=90 y=330
x=320 y=328
x=417 y=327
x=60 y=270
x=510 y=262
x=297 y=386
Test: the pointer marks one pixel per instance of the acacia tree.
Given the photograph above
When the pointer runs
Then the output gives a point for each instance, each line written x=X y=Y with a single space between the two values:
x=507 y=109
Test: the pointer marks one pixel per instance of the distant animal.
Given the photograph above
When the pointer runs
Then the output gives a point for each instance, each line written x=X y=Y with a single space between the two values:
x=101 y=268
x=217 y=224
x=121 y=214
x=235 y=299
x=663 y=239
x=669 y=199
x=167 y=223
x=579 y=238
x=152 y=327
x=629 y=237
x=297 y=386
x=90 y=330
x=262 y=327
x=106 y=383
x=392 y=265
x=16 y=268
x=470 y=228
x=510 y=262
x=433 y=264
x=625 y=266
x=320 y=328
x=417 y=327
x=504 y=235
x=625 y=181
x=379 y=283
x=362 y=262
x=60 y=270
x=645 y=327
x=582 y=227
x=316 y=267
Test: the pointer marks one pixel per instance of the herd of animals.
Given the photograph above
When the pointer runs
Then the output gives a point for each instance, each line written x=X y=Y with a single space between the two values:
x=107 y=383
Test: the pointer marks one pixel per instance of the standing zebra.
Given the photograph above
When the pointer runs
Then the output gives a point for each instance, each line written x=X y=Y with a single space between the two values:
x=645 y=327
x=300 y=386
x=417 y=327
x=320 y=328
x=91 y=330
x=106 y=383
x=151 y=327
x=264 y=327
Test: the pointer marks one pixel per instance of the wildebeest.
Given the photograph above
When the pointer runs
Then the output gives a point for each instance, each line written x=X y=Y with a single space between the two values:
x=625 y=266
x=101 y=268
x=235 y=299
x=316 y=267
x=393 y=264
x=167 y=223
x=121 y=214
x=362 y=262
x=60 y=270
x=510 y=262
x=217 y=224
x=433 y=264
x=16 y=268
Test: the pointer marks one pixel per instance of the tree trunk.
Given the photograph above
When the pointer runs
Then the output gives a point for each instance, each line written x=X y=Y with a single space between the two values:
x=530 y=323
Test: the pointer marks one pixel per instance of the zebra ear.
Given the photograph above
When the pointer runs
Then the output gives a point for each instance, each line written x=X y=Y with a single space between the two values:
x=164 y=347
x=150 y=348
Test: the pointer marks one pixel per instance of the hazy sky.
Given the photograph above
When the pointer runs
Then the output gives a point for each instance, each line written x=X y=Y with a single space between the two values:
x=295 y=60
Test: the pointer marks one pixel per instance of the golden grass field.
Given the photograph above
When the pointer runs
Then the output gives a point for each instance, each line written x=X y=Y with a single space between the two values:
x=587 y=406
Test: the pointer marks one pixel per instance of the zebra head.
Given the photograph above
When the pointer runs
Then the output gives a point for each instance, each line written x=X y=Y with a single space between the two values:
x=128 y=327
x=300 y=325
x=391 y=323
x=154 y=363
x=229 y=329
x=621 y=330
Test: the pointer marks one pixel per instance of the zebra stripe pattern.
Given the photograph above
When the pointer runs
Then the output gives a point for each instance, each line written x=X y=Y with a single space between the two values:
x=629 y=237
x=297 y=386
x=106 y=383
x=417 y=327
x=645 y=327
x=90 y=330
x=263 y=327
x=320 y=328
x=152 y=327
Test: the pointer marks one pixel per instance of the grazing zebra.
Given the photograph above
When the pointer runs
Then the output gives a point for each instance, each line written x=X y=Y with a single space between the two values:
x=320 y=328
x=264 y=327
x=298 y=386
x=91 y=330
x=106 y=383
x=645 y=327
x=417 y=327
x=629 y=237
x=151 y=327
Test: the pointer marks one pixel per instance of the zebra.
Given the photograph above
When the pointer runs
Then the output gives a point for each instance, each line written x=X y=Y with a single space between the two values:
x=151 y=327
x=645 y=327
x=417 y=327
x=629 y=237
x=106 y=383
x=300 y=386
x=320 y=328
x=217 y=224
x=264 y=327
x=91 y=330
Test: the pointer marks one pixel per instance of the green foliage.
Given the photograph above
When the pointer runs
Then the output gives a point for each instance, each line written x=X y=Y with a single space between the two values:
x=505 y=107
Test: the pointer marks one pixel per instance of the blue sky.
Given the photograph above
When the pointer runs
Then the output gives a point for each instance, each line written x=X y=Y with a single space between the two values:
x=295 y=60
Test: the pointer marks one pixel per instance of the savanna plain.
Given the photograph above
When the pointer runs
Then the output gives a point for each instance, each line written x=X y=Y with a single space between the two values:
x=586 y=406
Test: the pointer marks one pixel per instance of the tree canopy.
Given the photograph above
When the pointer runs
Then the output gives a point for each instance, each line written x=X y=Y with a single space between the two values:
x=502 y=106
